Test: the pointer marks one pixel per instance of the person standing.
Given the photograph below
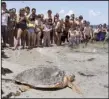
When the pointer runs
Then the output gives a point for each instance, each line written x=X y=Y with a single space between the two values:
x=4 y=23
x=49 y=17
x=21 y=27
x=27 y=14
x=12 y=25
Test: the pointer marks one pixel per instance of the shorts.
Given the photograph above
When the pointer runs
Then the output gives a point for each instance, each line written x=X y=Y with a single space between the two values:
x=30 y=30
x=21 y=26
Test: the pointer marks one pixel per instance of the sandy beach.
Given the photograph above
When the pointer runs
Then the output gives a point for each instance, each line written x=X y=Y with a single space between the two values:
x=89 y=64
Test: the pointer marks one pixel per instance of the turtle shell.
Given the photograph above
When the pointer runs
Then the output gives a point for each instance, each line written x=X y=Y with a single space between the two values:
x=41 y=77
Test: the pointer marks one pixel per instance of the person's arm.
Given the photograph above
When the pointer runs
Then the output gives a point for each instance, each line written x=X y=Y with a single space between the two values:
x=69 y=32
x=17 y=19
x=8 y=19
x=91 y=33
x=57 y=25
x=28 y=18
x=84 y=32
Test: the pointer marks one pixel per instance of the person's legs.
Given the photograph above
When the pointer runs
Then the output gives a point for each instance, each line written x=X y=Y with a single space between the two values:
x=41 y=38
x=51 y=37
x=38 y=38
x=58 y=38
x=34 y=38
x=11 y=37
x=48 y=39
x=3 y=35
x=55 y=37
x=29 y=38
x=45 y=39
x=19 y=32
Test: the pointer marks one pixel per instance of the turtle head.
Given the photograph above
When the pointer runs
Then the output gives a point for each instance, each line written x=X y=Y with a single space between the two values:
x=71 y=77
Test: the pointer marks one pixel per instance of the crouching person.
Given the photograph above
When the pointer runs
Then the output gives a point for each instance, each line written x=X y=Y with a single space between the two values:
x=72 y=37
x=47 y=29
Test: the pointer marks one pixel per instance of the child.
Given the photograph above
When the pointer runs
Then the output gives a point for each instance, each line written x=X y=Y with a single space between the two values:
x=47 y=30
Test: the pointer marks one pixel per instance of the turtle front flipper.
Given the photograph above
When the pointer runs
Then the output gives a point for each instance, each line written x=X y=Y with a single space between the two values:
x=74 y=87
x=24 y=88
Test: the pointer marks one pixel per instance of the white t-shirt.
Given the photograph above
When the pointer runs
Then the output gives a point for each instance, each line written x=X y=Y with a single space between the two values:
x=47 y=28
x=5 y=18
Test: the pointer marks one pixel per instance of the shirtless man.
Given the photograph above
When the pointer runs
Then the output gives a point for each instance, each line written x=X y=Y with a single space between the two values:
x=46 y=30
x=73 y=21
x=87 y=33
x=38 y=28
x=80 y=21
x=67 y=27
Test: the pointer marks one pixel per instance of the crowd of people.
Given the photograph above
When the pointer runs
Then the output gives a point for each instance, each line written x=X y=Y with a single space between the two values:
x=35 y=30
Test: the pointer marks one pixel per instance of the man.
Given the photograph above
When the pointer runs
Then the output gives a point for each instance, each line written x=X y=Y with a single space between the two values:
x=67 y=24
x=87 y=33
x=12 y=25
x=73 y=21
x=80 y=21
x=4 y=23
x=27 y=12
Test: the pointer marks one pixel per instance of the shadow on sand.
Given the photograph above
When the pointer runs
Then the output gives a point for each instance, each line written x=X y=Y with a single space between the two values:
x=5 y=71
x=42 y=89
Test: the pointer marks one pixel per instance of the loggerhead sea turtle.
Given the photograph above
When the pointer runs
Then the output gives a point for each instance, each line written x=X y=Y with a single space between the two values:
x=47 y=78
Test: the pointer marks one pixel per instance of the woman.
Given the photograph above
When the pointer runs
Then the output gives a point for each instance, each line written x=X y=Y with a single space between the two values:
x=104 y=30
x=27 y=14
x=99 y=35
x=31 y=30
x=21 y=27
x=57 y=30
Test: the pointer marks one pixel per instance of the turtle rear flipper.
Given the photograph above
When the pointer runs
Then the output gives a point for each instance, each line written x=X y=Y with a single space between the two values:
x=24 y=88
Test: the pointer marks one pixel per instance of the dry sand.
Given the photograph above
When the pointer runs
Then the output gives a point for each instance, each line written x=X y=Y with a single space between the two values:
x=90 y=66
